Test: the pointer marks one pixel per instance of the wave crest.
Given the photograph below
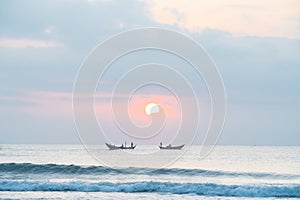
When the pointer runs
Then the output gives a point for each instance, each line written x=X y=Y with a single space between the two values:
x=30 y=168
x=207 y=189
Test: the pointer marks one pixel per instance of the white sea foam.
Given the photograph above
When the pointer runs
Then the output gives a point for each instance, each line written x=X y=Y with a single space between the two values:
x=206 y=189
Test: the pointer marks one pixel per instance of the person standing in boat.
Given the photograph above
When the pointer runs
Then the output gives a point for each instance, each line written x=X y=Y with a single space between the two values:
x=131 y=144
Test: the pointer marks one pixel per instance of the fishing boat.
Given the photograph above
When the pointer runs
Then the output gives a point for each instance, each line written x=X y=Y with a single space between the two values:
x=114 y=147
x=170 y=147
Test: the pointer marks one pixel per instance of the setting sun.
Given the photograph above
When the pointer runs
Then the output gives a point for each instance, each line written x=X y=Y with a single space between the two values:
x=151 y=108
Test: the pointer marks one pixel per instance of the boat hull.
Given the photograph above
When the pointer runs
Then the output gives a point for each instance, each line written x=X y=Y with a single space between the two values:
x=114 y=147
x=172 y=147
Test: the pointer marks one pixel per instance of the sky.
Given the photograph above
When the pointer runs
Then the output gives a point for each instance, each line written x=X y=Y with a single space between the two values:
x=255 y=45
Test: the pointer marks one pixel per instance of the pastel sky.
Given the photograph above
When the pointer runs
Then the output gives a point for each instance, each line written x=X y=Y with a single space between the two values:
x=255 y=45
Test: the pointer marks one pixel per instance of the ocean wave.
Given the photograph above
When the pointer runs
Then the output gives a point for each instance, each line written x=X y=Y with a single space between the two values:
x=30 y=168
x=205 y=189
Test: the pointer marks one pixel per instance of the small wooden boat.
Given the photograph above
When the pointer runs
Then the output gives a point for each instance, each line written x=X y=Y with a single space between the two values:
x=114 y=147
x=170 y=147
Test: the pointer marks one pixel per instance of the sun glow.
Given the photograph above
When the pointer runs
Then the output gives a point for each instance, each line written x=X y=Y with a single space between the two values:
x=151 y=108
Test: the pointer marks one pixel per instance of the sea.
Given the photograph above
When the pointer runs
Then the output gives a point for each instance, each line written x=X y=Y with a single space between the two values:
x=228 y=172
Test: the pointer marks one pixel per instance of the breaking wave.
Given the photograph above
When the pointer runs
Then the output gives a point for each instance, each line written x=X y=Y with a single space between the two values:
x=207 y=189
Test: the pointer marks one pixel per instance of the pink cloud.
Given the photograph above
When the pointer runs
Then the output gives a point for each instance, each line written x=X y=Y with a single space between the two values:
x=135 y=106
x=42 y=103
x=254 y=18
x=59 y=104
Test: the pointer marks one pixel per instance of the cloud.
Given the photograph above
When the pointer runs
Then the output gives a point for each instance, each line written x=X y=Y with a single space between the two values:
x=49 y=30
x=255 y=18
x=40 y=103
x=261 y=74
x=26 y=43
x=101 y=1
x=98 y=20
